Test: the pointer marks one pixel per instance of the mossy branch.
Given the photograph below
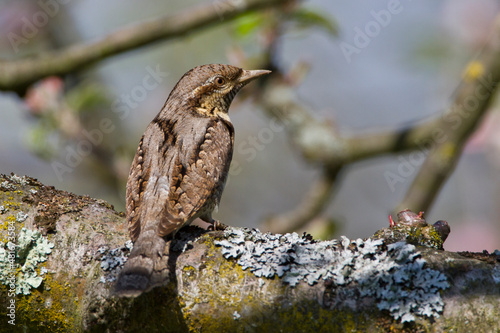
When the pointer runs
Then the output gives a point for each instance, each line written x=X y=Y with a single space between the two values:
x=207 y=292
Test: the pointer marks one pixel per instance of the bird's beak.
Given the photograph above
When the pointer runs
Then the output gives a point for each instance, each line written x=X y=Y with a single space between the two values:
x=248 y=76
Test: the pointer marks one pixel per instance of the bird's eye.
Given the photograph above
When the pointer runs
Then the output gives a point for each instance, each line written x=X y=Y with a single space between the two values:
x=220 y=81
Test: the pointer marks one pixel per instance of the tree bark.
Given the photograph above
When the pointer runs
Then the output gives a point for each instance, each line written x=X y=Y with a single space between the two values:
x=207 y=289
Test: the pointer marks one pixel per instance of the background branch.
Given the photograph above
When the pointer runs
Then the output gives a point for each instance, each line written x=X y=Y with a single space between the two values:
x=472 y=100
x=319 y=142
x=315 y=201
x=17 y=75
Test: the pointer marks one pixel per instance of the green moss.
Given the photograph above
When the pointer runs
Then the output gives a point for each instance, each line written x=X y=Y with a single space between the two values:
x=419 y=236
x=10 y=220
x=52 y=311
x=233 y=277
x=427 y=236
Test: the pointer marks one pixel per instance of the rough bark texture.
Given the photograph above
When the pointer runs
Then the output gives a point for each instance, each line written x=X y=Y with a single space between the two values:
x=205 y=291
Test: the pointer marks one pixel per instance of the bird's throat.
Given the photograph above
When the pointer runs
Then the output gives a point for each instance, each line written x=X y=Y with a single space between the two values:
x=213 y=112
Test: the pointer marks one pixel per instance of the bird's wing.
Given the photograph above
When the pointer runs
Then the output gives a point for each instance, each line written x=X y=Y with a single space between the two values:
x=199 y=174
x=149 y=178
x=136 y=182
x=178 y=166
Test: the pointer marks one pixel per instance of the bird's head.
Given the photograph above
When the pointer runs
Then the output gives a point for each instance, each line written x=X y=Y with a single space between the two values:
x=210 y=89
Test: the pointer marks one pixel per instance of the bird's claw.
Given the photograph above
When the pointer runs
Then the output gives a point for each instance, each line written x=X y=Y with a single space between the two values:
x=216 y=225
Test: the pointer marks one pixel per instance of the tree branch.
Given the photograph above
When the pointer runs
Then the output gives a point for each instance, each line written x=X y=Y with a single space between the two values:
x=313 y=203
x=16 y=75
x=457 y=125
x=207 y=288
x=321 y=143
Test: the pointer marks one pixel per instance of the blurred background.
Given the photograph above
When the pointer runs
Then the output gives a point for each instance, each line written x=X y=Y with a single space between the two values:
x=405 y=73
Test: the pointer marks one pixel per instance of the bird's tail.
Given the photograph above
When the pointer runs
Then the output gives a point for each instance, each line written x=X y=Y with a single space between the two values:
x=145 y=268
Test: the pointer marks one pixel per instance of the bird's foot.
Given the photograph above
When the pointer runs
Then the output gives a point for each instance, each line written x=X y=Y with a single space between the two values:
x=217 y=225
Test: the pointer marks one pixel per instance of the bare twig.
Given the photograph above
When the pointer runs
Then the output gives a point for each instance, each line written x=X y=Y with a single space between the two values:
x=471 y=103
x=320 y=142
x=313 y=203
x=316 y=140
x=361 y=147
x=16 y=75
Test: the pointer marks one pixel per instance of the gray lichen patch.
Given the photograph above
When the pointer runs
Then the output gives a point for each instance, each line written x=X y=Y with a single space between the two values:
x=21 y=217
x=495 y=274
x=395 y=275
x=112 y=260
x=22 y=260
x=10 y=183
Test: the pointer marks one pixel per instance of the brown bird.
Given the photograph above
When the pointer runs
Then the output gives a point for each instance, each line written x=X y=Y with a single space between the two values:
x=180 y=168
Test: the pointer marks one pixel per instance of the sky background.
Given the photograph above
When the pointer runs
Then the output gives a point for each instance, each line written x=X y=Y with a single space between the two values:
x=407 y=73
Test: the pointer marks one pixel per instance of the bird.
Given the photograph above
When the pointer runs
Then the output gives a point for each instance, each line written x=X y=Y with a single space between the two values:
x=180 y=169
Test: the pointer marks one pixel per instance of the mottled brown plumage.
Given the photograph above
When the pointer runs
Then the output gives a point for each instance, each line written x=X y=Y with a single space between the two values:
x=180 y=168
